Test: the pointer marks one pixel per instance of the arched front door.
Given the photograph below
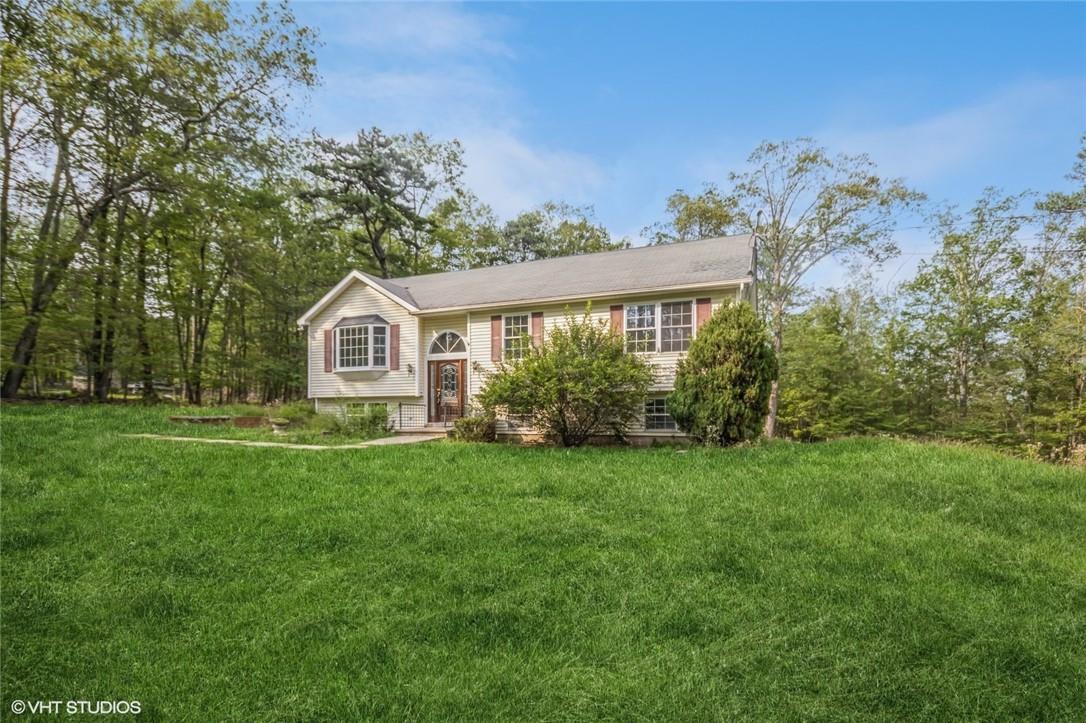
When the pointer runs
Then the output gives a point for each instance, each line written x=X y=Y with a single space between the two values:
x=446 y=389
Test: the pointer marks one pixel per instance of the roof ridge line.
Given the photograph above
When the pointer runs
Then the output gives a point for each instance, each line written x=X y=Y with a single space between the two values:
x=644 y=247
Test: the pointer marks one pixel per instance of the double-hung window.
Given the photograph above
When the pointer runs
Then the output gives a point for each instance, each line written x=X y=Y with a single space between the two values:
x=353 y=347
x=380 y=345
x=361 y=344
x=641 y=327
x=676 y=325
x=515 y=340
x=657 y=417
x=664 y=327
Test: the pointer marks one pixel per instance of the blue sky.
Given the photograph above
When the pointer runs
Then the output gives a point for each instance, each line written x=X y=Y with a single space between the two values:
x=617 y=105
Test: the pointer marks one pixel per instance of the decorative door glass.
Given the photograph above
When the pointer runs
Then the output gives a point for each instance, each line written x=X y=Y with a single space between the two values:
x=450 y=383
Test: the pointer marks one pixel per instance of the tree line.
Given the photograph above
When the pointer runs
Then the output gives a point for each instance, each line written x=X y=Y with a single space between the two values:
x=162 y=226
x=986 y=343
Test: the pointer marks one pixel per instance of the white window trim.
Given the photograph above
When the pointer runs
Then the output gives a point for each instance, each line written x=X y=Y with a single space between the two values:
x=369 y=349
x=659 y=318
x=645 y=418
x=528 y=332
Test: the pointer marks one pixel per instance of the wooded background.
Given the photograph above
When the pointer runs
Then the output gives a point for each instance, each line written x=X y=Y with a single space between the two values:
x=162 y=227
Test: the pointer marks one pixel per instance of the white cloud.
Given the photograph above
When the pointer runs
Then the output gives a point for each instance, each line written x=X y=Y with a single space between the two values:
x=438 y=100
x=930 y=147
x=439 y=69
x=512 y=175
x=406 y=29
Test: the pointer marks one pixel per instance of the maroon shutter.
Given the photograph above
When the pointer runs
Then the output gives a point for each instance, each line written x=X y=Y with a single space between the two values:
x=328 y=349
x=616 y=318
x=393 y=347
x=496 y=338
x=704 y=311
x=537 y=329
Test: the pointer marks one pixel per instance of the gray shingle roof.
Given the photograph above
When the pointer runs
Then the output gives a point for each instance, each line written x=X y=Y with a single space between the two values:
x=361 y=320
x=723 y=259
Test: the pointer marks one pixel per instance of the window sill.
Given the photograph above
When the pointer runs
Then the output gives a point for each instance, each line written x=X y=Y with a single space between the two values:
x=362 y=372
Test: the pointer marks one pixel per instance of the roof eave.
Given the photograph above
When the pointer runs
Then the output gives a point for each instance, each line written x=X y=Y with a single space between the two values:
x=339 y=288
x=586 y=297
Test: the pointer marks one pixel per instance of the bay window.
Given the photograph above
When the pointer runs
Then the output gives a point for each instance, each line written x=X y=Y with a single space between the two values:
x=380 y=345
x=361 y=344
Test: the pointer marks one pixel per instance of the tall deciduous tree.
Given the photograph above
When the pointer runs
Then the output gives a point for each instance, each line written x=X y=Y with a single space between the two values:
x=123 y=95
x=965 y=298
x=813 y=206
x=552 y=230
x=706 y=215
x=1049 y=335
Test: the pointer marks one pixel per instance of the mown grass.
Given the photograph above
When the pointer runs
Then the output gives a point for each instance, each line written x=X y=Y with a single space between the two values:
x=862 y=579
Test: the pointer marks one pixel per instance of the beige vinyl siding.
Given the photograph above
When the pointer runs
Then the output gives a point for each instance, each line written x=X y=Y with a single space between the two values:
x=356 y=300
x=416 y=333
x=338 y=405
x=434 y=325
x=664 y=363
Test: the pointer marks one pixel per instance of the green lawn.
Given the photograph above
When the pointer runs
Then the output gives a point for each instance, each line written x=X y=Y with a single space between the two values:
x=862 y=579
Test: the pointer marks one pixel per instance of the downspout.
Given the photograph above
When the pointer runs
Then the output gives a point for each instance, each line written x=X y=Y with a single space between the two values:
x=308 y=366
x=753 y=271
x=467 y=364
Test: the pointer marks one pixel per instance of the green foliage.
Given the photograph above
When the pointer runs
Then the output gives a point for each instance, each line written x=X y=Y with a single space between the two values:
x=706 y=215
x=722 y=385
x=367 y=420
x=296 y=411
x=580 y=383
x=986 y=344
x=475 y=428
x=552 y=230
x=960 y=304
x=183 y=94
x=904 y=581
x=818 y=206
x=831 y=380
x=379 y=191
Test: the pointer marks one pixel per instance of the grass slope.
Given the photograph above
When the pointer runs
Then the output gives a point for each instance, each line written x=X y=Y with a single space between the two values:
x=861 y=579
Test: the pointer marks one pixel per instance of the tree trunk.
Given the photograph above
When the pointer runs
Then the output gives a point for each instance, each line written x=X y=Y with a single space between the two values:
x=143 y=344
x=47 y=282
x=963 y=384
x=5 y=191
x=94 y=349
x=110 y=311
x=775 y=387
x=23 y=352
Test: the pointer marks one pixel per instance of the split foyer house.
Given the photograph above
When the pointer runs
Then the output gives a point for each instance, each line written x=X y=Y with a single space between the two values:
x=422 y=346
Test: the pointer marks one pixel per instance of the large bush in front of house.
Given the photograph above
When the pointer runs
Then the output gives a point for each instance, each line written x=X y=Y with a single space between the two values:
x=475 y=428
x=721 y=394
x=579 y=383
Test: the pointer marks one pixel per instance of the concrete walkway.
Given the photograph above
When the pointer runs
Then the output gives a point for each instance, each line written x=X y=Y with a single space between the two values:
x=383 y=441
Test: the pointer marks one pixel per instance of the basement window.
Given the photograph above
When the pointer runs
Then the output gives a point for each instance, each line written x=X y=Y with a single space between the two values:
x=657 y=417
